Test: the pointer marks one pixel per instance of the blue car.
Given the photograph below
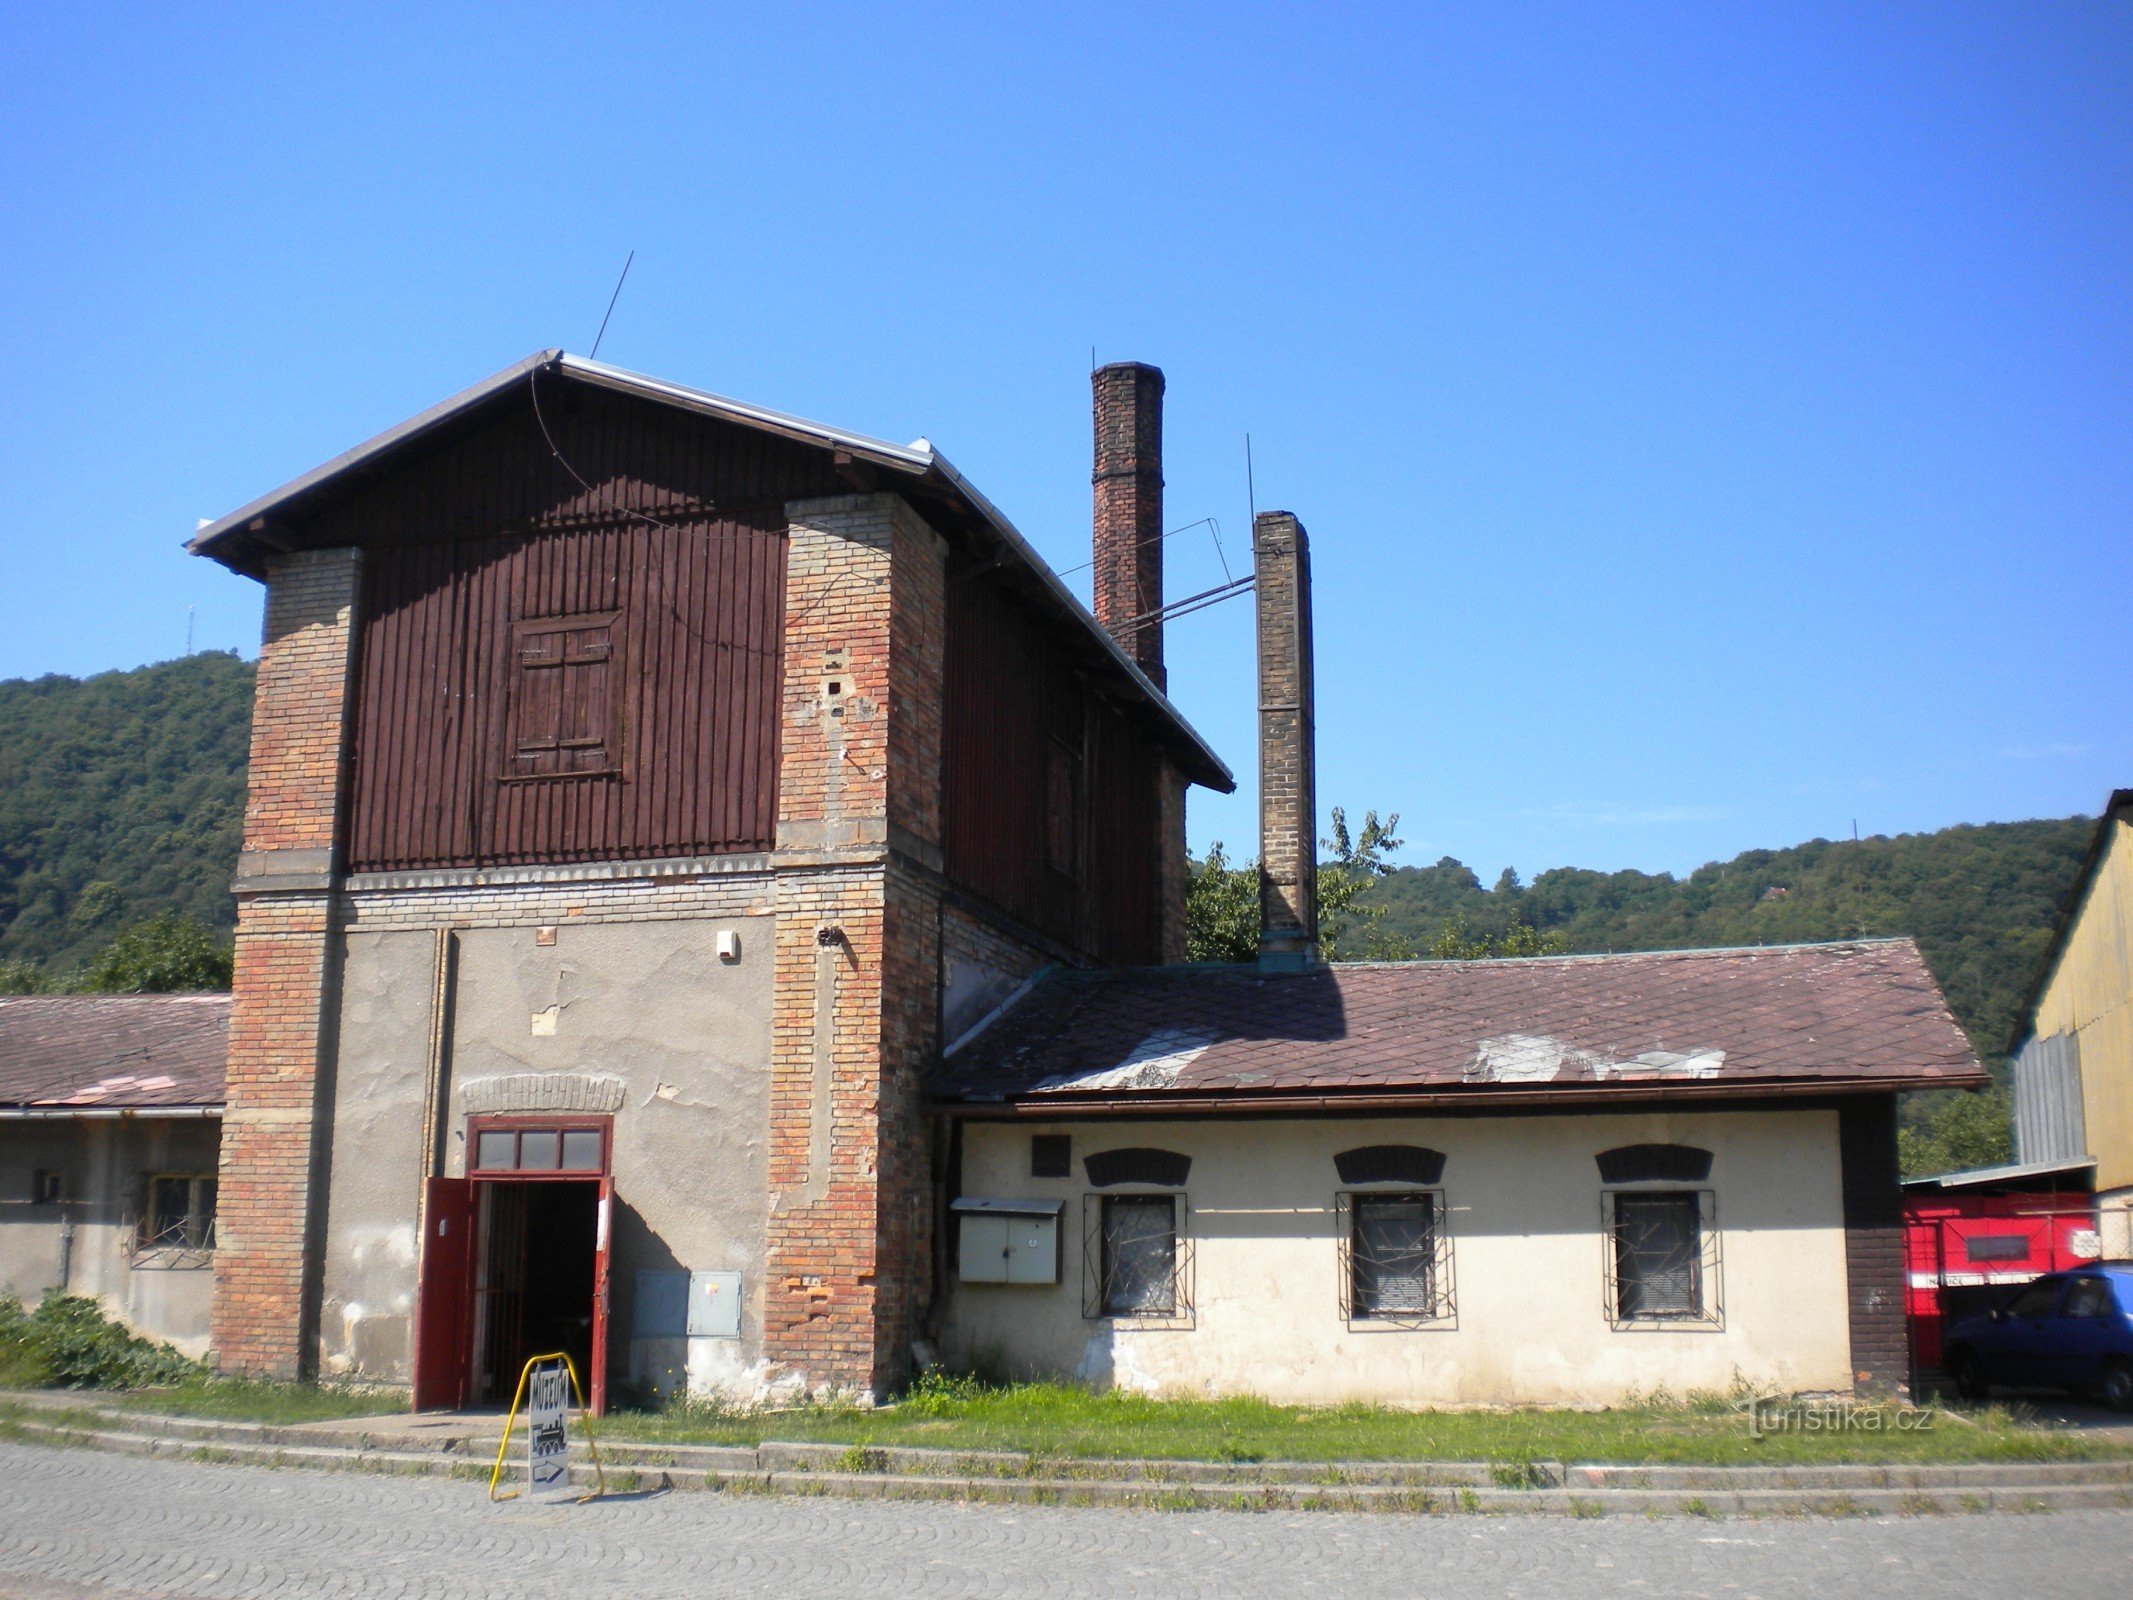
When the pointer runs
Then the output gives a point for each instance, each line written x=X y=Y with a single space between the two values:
x=2065 y=1330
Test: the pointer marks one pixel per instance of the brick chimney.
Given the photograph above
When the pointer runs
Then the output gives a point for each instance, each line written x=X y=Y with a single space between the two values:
x=1288 y=773
x=1129 y=509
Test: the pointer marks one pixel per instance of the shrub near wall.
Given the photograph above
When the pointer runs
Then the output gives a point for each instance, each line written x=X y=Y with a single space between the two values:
x=68 y=1343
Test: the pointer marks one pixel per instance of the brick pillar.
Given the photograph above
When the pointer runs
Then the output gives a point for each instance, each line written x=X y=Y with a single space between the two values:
x=855 y=1000
x=1129 y=509
x=267 y=1200
x=1288 y=781
x=1873 y=1247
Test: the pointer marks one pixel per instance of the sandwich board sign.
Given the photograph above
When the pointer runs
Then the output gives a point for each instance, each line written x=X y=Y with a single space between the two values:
x=546 y=1389
x=548 y=1428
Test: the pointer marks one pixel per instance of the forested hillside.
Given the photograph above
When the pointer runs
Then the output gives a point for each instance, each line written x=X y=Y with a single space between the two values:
x=1979 y=900
x=121 y=798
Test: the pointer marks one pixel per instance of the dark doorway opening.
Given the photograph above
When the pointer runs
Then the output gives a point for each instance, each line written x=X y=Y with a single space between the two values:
x=536 y=1279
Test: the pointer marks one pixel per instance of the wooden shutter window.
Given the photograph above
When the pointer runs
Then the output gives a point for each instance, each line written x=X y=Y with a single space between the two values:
x=562 y=696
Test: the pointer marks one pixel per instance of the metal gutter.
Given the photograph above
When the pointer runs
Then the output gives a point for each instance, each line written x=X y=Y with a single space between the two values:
x=105 y=1113
x=1568 y=1099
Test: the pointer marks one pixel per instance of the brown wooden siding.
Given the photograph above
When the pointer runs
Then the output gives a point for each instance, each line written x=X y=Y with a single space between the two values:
x=1015 y=711
x=488 y=533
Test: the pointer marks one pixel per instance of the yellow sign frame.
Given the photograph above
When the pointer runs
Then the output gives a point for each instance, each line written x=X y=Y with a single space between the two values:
x=504 y=1445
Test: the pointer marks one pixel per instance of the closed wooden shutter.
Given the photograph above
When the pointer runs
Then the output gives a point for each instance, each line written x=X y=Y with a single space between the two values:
x=562 y=697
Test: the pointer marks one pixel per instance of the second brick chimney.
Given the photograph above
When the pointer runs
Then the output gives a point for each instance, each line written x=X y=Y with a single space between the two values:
x=1288 y=773
x=1129 y=509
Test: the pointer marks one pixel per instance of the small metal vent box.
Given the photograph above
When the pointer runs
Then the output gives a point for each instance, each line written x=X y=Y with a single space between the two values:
x=1007 y=1241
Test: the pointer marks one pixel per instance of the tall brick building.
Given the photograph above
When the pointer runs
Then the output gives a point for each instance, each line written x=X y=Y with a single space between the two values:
x=643 y=787
x=713 y=903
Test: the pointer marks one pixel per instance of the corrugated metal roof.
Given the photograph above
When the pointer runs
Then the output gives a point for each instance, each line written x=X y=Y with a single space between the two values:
x=124 y=1051
x=918 y=460
x=1987 y=1177
x=1861 y=1015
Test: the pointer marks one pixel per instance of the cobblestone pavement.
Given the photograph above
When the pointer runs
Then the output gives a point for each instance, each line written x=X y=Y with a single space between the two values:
x=76 y=1525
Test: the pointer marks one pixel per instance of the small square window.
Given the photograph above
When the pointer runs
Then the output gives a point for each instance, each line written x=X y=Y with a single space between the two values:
x=177 y=1212
x=539 y=1150
x=581 y=1150
x=47 y=1187
x=1051 y=1155
x=496 y=1150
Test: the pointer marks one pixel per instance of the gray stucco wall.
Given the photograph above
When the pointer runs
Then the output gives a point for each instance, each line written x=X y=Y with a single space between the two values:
x=85 y=1243
x=648 y=1003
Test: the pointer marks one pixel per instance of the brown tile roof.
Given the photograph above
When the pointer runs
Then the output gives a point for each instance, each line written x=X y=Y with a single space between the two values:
x=1863 y=1015
x=114 y=1050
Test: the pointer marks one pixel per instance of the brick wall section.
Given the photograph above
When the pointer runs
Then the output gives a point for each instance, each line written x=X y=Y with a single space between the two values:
x=857 y=935
x=267 y=1196
x=1288 y=795
x=1873 y=1246
x=1128 y=403
x=532 y=902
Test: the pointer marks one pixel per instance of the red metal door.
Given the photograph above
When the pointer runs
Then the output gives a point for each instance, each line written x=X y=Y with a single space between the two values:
x=441 y=1295
x=601 y=1240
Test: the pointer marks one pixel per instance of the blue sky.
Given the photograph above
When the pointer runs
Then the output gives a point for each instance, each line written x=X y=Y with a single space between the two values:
x=1713 y=422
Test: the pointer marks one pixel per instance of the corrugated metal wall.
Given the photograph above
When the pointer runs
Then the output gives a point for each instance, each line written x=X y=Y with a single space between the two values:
x=1022 y=735
x=490 y=531
x=2047 y=1097
x=2090 y=994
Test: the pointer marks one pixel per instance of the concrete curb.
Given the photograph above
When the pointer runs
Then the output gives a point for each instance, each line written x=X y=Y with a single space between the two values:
x=1002 y=1477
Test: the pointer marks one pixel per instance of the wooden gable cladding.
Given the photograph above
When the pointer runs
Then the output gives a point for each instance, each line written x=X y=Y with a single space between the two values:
x=1050 y=798
x=551 y=673
x=602 y=694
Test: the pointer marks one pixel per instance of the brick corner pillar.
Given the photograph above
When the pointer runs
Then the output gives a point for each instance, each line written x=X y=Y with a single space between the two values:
x=1873 y=1248
x=855 y=1005
x=1128 y=533
x=267 y=1200
x=1288 y=782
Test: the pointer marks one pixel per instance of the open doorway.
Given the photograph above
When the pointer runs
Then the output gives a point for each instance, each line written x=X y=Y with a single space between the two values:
x=532 y=1262
x=535 y=1281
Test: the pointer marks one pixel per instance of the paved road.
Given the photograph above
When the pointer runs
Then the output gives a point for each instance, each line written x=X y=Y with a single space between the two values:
x=75 y=1525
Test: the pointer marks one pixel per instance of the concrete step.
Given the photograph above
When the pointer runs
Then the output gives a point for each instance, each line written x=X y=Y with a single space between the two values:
x=1011 y=1477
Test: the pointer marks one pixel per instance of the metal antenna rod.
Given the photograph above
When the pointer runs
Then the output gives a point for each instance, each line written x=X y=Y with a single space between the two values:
x=611 y=299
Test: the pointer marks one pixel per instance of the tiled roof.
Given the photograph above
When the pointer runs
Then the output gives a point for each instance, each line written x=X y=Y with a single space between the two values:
x=1863 y=1015
x=114 y=1050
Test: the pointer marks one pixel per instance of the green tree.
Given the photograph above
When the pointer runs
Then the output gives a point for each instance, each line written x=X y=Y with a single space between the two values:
x=23 y=977
x=1456 y=942
x=1221 y=909
x=169 y=954
x=1350 y=927
x=1955 y=1132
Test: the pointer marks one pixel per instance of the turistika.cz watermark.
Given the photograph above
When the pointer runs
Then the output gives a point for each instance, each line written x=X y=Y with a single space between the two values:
x=1768 y=1416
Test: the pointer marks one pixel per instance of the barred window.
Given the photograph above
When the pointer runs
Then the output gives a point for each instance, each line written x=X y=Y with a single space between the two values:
x=177 y=1212
x=1393 y=1254
x=1663 y=1250
x=1140 y=1256
x=1395 y=1257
